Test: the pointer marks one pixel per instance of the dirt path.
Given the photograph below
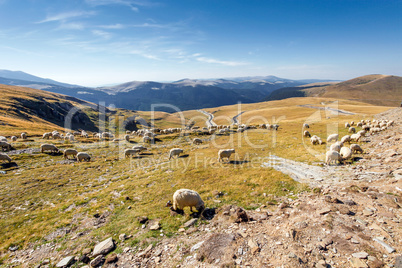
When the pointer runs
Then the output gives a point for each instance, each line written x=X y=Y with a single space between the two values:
x=333 y=110
x=234 y=119
x=209 y=121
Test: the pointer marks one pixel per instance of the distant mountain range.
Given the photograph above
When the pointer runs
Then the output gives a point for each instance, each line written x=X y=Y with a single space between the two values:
x=184 y=94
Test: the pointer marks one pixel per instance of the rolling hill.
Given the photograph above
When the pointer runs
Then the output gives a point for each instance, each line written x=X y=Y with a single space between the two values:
x=375 y=89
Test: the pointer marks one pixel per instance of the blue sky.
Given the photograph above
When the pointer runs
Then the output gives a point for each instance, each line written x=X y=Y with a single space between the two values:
x=97 y=42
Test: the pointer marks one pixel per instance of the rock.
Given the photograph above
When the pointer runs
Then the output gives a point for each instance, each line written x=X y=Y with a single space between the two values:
x=103 y=247
x=349 y=202
x=142 y=219
x=354 y=240
x=368 y=212
x=155 y=226
x=324 y=211
x=67 y=261
x=360 y=255
x=98 y=261
x=86 y=251
x=387 y=247
x=145 y=252
x=13 y=248
x=84 y=259
x=190 y=223
x=255 y=250
x=196 y=246
x=357 y=263
x=122 y=237
x=111 y=258
x=217 y=247
x=330 y=199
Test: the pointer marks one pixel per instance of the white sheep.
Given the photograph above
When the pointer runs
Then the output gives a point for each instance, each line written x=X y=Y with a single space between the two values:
x=352 y=130
x=333 y=137
x=81 y=156
x=175 y=152
x=147 y=139
x=360 y=124
x=331 y=156
x=345 y=138
x=127 y=137
x=306 y=134
x=197 y=141
x=356 y=148
x=5 y=157
x=306 y=125
x=347 y=125
x=5 y=145
x=335 y=147
x=315 y=140
x=47 y=135
x=355 y=137
x=140 y=148
x=186 y=198
x=2 y=138
x=14 y=138
x=225 y=153
x=24 y=136
x=346 y=153
x=49 y=147
x=68 y=152
x=131 y=152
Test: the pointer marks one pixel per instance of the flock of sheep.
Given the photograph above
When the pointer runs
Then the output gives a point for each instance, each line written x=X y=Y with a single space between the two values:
x=337 y=151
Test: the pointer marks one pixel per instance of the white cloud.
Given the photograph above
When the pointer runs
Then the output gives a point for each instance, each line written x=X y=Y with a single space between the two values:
x=113 y=26
x=221 y=62
x=102 y=34
x=67 y=15
x=129 y=3
x=72 y=26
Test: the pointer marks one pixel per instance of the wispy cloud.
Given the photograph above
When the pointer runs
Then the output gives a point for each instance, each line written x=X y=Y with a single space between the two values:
x=113 y=26
x=133 y=5
x=72 y=26
x=221 y=62
x=103 y=34
x=67 y=15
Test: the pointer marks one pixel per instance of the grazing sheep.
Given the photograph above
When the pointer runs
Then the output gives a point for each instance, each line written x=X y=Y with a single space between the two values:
x=333 y=137
x=49 y=147
x=306 y=134
x=332 y=156
x=356 y=148
x=366 y=127
x=335 y=147
x=175 y=152
x=352 y=130
x=14 y=138
x=225 y=153
x=306 y=125
x=197 y=141
x=5 y=157
x=186 y=198
x=47 y=135
x=107 y=135
x=81 y=156
x=131 y=152
x=275 y=127
x=315 y=140
x=352 y=123
x=127 y=137
x=140 y=148
x=68 y=152
x=347 y=125
x=355 y=137
x=345 y=138
x=23 y=136
x=360 y=124
x=2 y=138
x=5 y=146
x=346 y=153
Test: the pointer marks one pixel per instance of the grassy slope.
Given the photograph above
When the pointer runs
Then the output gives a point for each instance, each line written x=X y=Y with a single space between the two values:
x=374 y=89
x=43 y=194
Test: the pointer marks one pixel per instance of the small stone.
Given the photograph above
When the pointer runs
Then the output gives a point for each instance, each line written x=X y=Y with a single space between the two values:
x=67 y=261
x=190 y=223
x=84 y=259
x=111 y=258
x=155 y=226
x=86 y=251
x=292 y=255
x=360 y=255
x=349 y=202
x=196 y=246
x=368 y=212
x=357 y=263
x=142 y=219
x=255 y=250
x=98 y=261
x=354 y=241
x=157 y=260
x=324 y=211
x=122 y=237
x=103 y=247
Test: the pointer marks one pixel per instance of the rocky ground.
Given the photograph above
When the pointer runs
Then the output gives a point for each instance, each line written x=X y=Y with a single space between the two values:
x=351 y=218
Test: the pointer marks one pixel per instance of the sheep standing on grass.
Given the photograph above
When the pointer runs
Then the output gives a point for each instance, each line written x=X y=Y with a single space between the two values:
x=332 y=156
x=49 y=147
x=352 y=130
x=186 y=198
x=81 y=156
x=306 y=134
x=131 y=152
x=225 y=153
x=68 y=152
x=356 y=148
x=140 y=148
x=335 y=147
x=315 y=140
x=127 y=137
x=355 y=137
x=14 y=138
x=5 y=146
x=306 y=125
x=346 y=153
x=4 y=157
x=24 y=136
x=333 y=137
x=345 y=138
x=175 y=152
